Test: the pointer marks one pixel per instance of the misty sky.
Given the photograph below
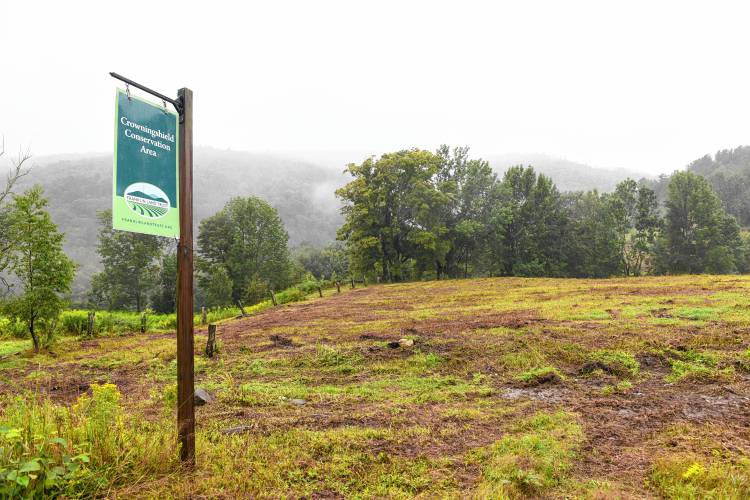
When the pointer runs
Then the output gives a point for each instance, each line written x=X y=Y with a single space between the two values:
x=641 y=85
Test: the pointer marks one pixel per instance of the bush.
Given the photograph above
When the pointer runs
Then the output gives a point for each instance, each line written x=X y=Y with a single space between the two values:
x=290 y=295
x=81 y=451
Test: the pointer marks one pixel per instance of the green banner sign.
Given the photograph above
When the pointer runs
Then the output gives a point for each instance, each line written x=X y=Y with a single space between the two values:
x=145 y=172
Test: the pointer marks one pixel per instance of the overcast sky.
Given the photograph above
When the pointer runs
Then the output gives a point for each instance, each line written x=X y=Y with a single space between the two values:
x=644 y=85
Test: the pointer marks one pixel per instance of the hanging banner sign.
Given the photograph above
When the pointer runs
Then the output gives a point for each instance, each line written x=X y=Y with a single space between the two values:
x=145 y=171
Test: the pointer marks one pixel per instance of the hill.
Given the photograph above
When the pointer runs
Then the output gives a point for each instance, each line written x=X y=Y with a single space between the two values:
x=302 y=191
x=567 y=175
x=501 y=388
x=728 y=171
x=80 y=185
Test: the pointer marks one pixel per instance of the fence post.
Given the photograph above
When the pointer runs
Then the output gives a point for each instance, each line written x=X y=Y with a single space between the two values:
x=143 y=322
x=242 y=309
x=90 y=324
x=211 y=343
x=203 y=315
x=273 y=298
x=320 y=291
x=338 y=287
x=364 y=280
x=352 y=283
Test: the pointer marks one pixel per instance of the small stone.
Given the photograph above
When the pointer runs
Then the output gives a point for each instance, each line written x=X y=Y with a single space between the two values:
x=202 y=397
x=298 y=402
x=406 y=342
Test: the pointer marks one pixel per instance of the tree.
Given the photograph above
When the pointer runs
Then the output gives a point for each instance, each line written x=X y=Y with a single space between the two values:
x=593 y=243
x=394 y=223
x=164 y=298
x=639 y=249
x=217 y=286
x=7 y=242
x=699 y=236
x=130 y=266
x=245 y=242
x=527 y=226
x=323 y=263
x=43 y=272
x=634 y=215
x=470 y=186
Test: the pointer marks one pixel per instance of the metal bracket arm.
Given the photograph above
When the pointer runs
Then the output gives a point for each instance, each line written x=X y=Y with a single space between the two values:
x=177 y=103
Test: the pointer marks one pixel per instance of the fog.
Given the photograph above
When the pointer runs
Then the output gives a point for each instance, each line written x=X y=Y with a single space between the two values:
x=645 y=86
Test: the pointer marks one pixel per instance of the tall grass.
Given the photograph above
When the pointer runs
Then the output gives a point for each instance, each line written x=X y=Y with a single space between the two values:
x=75 y=321
x=83 y=450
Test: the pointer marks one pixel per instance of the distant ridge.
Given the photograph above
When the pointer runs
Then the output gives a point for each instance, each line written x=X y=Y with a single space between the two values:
x=80 y=185
x=567 y=175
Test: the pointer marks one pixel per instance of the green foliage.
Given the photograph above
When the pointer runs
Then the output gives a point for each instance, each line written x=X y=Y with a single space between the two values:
x=392 y=210
x=326 y=262
x=243 y=244
x=36 y=468
x=74 y=322
x=692 y=476
x=130 y=267
x=164 y=299
x=255 y=291
x=527 y=226
x=216 y=285
x=43 y=271
x=48 y=450
x=699 y=236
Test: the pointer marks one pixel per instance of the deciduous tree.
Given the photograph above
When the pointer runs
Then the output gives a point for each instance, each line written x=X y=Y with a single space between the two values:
x=130 y=263
x=42 y=270
x=245 y=242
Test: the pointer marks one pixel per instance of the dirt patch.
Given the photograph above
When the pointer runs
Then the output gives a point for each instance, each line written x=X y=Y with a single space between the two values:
x=281 y=341
x=662 y=312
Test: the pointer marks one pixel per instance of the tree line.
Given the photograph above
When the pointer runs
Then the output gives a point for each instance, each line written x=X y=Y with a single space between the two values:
x=242 y=254
x=415 y=214
x=408 y=215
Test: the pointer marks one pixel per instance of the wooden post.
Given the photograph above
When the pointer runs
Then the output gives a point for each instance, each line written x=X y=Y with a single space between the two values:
x=352 y=283
x=185 y=346
x=143 y=322
x=320 y=291
x=273 y=298
x=90 y=325
x=364 y=280
x=203 y=315
x=242 y=309
x=338 y=287
x=211 y=343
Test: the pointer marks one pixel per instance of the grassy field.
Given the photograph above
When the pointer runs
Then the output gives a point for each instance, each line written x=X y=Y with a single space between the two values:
x=503 y=388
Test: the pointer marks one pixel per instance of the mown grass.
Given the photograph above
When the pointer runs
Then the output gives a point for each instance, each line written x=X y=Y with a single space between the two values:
x=512 y=388
x=536 y=457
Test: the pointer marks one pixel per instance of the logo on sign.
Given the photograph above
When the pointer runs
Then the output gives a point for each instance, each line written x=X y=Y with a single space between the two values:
x=147 y=200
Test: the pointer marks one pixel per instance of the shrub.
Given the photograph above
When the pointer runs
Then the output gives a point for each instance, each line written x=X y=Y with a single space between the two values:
x=81 y=451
